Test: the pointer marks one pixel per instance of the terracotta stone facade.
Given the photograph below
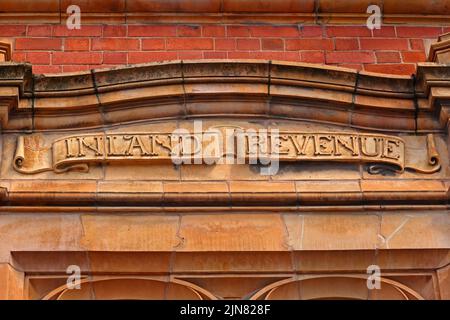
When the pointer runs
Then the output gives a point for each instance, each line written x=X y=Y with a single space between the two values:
x=89 y=182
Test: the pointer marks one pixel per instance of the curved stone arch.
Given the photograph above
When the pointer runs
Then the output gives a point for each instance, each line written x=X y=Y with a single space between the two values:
x=196 y=292
x=267 y=292
x=153 y=91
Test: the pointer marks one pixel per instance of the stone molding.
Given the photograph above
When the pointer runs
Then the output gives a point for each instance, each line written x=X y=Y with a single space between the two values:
x=236 y=195
x=281 y=90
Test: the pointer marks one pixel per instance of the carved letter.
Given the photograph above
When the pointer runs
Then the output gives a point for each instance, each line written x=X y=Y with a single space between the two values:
x=136 y=142
x=350 y=145
x=111 y=147
x=96 y=148
x=364 y=149
x=300 y=148
x=70 y=153
x=389 y=149
x=322 y=144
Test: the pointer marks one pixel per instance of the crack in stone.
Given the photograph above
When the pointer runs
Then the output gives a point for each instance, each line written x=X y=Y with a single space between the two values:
x=173 y=253
x=287 y=243
x=383 y=239
x=88 y=259
x=302 y=232
x=405 y=220
x=180 y=238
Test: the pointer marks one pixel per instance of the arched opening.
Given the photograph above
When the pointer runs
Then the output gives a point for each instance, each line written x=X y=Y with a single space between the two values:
x=130 y=289
x=335 y=287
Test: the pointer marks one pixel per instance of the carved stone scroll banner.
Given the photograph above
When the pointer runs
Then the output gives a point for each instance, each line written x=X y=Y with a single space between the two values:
x=76 y=152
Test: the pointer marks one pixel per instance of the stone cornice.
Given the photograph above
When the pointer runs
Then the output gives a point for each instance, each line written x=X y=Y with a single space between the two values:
x=177 y=89
x=300 y=195
x=225 y=11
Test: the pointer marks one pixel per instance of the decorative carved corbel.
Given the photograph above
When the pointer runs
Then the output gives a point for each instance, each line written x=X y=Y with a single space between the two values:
x=5 y=51
x=15 y=82
x=434 y=79
x=440 y=50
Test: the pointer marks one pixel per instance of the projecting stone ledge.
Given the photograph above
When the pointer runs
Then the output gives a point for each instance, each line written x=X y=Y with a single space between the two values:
x=175 y=89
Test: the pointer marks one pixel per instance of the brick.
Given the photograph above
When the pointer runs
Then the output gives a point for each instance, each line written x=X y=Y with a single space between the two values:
x=309 y=44
x=346 y=44
x=84 y=31
x=276 y=55
x=351 y=66
x=114 y=31
x=272 y=44
x=76 y=44
x=76 y=68
x=190 y=55
x=384 y=32
x=224 y=44
x=240 y=55
x=46 y=69
x=19 y=56
x=215 y=55
x=77 y=58
x=416 y=44
x=213 y=31
x=12 y=30
x=349 y=57
x=38 y=57
x=274 y=31
x=311 y=31
x=312 y=56
x=153 y=44
x=414 y=56
x=384 y=44
x=248 y=44
x=103 y=66
x=152 y=31
x=189 y=44
x=189 y=31
x=418 y=32
x=142 y=57
x=401 y=69
x=115 y=57
x=115 y=44
x=388 y=57
x=268 y=55
x=348 y=31
x=238 y=31
x=38 y=44
x=39 y=31
x=291 y=56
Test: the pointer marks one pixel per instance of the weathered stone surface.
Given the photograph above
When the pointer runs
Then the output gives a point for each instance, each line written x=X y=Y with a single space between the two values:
x=11 y=283
x=444 y=282
x=38 y=232
x=414 y=231
x=230 y=232
x=129 y=233
x=340 y=232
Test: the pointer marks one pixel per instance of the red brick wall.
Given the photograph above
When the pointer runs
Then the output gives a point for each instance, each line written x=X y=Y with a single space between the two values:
x=54 y=48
